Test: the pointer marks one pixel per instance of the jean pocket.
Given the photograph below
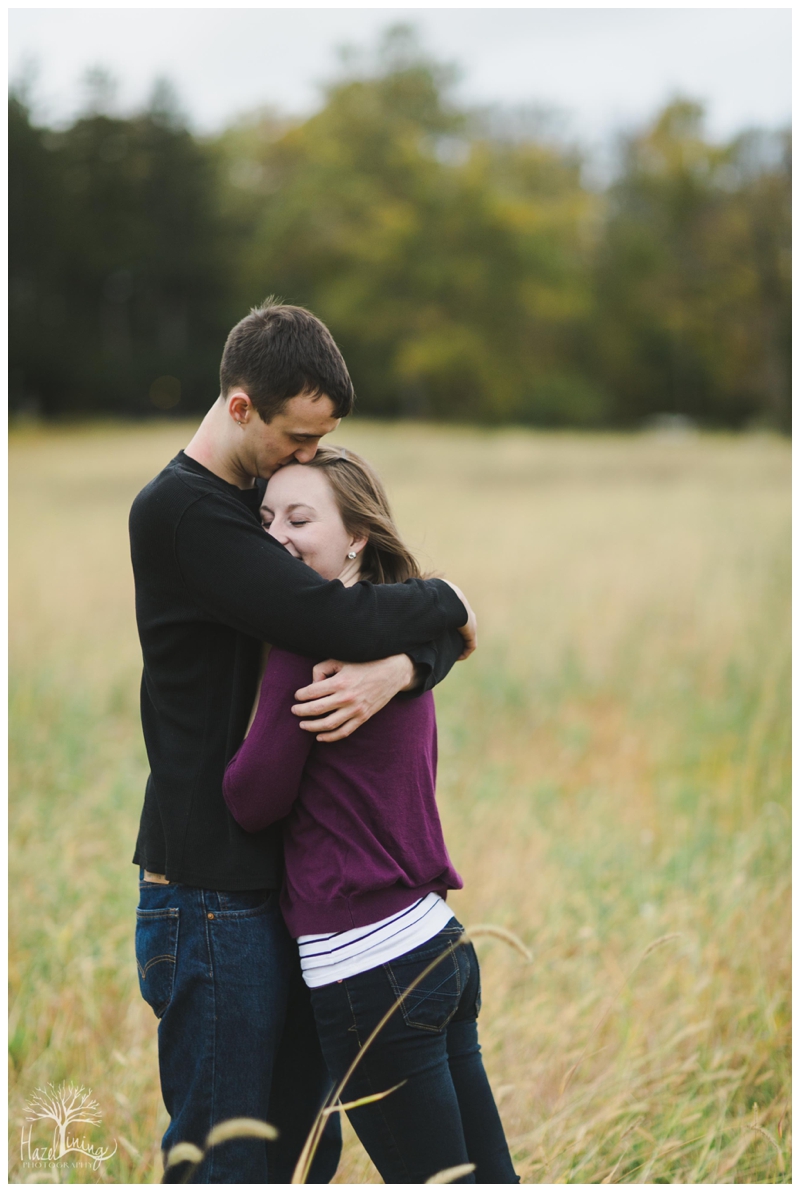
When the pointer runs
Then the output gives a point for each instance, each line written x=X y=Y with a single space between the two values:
x=157 y=955
x=243 y=904
x=431 y=1004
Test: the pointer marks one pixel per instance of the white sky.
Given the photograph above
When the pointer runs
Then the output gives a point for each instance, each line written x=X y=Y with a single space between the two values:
x=606 y=68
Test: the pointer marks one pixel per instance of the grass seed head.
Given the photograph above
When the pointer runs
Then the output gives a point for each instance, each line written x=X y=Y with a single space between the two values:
x=241 y=1128
x=184 y=1152
x=451 y=1174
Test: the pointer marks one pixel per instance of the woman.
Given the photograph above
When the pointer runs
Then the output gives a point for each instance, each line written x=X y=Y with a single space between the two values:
x=367 y=870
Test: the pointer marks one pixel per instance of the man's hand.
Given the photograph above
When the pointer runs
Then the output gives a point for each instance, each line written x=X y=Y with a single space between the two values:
x=344 y=695
x=469 y=631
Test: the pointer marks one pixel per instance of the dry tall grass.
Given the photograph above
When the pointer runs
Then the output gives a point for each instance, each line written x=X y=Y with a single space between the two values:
x=614 y=772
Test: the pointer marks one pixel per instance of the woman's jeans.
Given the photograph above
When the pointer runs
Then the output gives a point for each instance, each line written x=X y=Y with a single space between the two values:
x=444 y=1114
x=236 y=1036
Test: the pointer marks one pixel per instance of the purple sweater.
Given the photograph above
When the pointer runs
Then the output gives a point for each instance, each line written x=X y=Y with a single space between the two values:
x=361 y=837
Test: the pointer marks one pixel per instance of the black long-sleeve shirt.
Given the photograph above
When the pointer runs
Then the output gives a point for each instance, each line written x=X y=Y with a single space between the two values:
x=211 y=586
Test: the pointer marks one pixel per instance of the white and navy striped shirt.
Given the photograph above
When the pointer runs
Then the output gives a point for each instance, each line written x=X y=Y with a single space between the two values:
x=340 y=954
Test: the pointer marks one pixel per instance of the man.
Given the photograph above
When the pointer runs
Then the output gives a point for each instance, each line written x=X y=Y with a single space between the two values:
x=236 y=1035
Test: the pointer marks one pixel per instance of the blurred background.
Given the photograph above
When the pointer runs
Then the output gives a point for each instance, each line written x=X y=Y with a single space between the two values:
x=536 y=224
x=540 y=217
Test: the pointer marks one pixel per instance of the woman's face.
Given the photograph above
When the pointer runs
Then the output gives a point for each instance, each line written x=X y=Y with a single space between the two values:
x=299 y=509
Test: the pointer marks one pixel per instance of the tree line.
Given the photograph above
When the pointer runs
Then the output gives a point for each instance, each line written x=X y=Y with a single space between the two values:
x=463 y=262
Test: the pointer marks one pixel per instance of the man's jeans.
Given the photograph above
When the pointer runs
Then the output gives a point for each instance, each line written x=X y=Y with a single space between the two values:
x=236 y=1036
x=444 y=1114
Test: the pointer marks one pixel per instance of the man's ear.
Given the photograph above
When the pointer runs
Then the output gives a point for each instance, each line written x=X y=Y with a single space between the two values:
x=239 y=406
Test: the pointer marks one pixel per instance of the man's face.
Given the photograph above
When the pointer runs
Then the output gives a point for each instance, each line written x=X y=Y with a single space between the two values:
x=294 y=433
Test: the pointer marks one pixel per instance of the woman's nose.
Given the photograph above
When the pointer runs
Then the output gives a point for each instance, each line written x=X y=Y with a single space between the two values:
x=275 y=531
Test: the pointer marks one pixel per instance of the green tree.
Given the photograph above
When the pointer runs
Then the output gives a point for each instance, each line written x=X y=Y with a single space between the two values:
x=37 y=304
x=448 y=267
x=462 y=263
x=128 y=271
x=691 y=281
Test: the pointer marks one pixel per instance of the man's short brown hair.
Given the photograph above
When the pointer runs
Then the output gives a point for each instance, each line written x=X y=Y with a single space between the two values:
x=278 y=352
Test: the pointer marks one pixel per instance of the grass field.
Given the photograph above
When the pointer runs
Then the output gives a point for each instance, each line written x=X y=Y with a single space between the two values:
x=614 y=770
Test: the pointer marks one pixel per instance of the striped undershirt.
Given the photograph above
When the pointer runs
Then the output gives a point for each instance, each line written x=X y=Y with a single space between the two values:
x=340 y=954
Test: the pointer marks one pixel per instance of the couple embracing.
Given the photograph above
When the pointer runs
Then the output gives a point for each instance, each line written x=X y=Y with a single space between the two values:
x=293 y=873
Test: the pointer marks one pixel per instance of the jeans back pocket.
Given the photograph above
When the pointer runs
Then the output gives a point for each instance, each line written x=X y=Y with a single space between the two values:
x=432 y=1003
x=157 y=955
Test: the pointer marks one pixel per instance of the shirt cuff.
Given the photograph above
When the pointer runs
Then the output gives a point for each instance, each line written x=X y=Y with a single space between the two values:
x=424 y=659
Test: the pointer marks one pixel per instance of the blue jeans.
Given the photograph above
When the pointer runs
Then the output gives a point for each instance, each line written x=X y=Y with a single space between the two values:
x=236 y=1036
x=444 y=1114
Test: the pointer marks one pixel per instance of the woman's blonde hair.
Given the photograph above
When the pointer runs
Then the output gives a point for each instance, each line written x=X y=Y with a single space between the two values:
x=364 y=507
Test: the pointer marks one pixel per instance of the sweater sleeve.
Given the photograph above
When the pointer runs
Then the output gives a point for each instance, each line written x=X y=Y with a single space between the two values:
x=244 y=578
x=263 y=777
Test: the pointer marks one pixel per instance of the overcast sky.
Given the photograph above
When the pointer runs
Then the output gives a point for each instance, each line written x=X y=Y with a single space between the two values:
x=607 y=68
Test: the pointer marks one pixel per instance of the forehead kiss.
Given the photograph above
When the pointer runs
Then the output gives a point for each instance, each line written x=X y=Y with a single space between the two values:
x=300 y=511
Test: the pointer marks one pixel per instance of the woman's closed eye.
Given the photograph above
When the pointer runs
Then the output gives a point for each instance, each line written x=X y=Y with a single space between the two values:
x=266 y=523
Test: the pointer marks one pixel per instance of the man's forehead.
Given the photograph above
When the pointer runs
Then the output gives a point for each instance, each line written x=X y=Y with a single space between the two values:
x=310 y=410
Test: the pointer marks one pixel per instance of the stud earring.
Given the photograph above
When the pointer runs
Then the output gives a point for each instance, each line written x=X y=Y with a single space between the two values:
x=351 y=554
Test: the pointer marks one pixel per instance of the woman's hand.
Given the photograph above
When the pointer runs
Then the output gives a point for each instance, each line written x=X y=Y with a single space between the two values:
x=344 y=695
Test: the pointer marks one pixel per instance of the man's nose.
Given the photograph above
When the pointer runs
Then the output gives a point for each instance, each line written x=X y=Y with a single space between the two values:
x=307 y=452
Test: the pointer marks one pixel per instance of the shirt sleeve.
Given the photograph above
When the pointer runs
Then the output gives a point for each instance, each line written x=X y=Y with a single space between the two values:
x=434 y=660
x=263 y=777
x=244 y=578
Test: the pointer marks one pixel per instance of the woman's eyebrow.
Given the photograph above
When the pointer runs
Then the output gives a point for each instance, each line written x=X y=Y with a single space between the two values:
x=289 y=508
